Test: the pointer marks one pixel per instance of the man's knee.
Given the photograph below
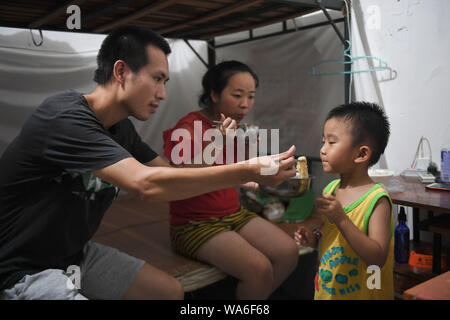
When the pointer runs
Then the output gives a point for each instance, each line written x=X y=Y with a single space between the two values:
x=177 y=292
x=49 y=284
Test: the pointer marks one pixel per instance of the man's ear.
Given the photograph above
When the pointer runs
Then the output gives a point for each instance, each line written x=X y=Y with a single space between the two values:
x=120 y=70
x=363 y=154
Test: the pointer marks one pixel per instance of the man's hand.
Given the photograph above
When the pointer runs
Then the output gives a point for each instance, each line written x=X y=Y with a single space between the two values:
x=330 y=207
x=273 y=170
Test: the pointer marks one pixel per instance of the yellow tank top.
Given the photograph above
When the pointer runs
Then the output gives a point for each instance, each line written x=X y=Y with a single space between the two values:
x=342 y=274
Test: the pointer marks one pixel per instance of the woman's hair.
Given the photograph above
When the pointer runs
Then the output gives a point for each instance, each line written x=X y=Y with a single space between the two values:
x=216 y=79
x=130 y=45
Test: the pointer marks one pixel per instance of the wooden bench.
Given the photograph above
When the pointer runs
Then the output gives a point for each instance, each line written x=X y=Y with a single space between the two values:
x=142 y=230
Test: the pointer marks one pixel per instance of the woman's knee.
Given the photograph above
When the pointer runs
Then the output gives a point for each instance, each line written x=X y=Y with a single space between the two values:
x=288 y=255
x=260 y=270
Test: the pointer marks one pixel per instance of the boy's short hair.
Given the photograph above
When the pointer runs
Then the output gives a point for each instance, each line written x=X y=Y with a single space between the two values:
x=369 y=124
x=130 y=45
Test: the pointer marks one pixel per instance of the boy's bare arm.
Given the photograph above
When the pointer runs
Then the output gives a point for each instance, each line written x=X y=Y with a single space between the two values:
x=372 y=248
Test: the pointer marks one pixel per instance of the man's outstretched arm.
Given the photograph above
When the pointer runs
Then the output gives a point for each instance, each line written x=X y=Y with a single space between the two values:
x=169 y=184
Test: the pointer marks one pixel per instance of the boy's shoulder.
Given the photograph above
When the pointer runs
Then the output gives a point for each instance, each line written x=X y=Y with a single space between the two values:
x=331 y=186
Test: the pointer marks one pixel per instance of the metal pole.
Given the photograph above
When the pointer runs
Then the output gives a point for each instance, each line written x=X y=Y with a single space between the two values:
x=196 y=53
x=347 y=66
x=325 y=12
x=211 y=53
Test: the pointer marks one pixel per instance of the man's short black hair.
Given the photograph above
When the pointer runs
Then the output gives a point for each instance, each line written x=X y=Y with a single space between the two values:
x=130 y=45
x=369 y=124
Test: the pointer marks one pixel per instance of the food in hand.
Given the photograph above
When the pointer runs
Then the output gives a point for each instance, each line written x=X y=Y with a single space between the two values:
x=302 y=167
x=302 y=170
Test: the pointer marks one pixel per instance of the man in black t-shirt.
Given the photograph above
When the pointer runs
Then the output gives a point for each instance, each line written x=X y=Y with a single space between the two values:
x=63 y=170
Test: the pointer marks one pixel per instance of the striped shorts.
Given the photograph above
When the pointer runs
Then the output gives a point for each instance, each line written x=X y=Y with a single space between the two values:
x=187 y=239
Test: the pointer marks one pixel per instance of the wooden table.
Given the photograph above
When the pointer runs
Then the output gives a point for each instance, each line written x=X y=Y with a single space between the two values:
x=418 y=197
x=437 y=288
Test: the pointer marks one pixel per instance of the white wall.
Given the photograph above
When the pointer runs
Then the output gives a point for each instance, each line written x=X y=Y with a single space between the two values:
x=413 y=37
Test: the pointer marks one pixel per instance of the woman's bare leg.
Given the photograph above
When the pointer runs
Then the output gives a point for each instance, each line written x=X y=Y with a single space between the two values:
x=231 y=253
x=275 y=244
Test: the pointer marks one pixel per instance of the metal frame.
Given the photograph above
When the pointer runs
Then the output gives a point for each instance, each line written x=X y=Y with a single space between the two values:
x=212 y=47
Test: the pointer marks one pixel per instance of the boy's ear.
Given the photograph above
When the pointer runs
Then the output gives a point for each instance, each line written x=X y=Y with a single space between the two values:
x=363 y=154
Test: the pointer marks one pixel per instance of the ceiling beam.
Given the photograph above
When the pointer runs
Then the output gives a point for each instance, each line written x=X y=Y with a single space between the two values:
x=54 y=14
x=104 y=11
x=214 y=15
x=207 y=36
x=221 y=22
x=328 y=4
x=156 y=6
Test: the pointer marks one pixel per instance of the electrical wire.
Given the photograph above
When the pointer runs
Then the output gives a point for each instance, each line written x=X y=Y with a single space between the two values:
x=420 y=149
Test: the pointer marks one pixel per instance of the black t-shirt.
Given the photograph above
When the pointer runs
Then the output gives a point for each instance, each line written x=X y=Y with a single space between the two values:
x=50 y=203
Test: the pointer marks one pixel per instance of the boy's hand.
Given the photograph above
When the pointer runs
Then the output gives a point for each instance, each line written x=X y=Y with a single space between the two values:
x=330 y=207
x=304 y=237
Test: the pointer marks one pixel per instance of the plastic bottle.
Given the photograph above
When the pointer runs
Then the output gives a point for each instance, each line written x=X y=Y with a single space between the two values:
x=401 y=240
x=445 y=165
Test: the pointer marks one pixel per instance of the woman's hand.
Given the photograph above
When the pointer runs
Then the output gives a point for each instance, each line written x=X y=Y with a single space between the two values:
x=228 y=126
x=252 y=186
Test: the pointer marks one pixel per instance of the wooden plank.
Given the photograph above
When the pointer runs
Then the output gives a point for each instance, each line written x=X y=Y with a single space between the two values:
x=156 y=6
x=206 y=35
x=211 y=16
x=240 y=18
x=54 y=14
x=437 y=288
x=151 y=242
x=127 y=211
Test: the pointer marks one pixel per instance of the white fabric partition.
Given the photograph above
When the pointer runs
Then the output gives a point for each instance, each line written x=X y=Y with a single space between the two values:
x=289 y=98
x=29 y=74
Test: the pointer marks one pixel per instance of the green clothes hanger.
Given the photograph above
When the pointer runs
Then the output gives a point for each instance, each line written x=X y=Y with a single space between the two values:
x=348 y=60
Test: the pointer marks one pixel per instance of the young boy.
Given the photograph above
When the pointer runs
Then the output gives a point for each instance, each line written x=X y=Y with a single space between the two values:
x=357 y=229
